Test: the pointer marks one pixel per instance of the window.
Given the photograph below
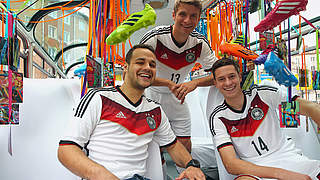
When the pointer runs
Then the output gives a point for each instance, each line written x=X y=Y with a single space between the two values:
x=82 y=25
x=66 y=36
x=37 y=73
x=67 y=20
x=28 y=18
x=52 y=52
x=54 y=14
x=52 y=32
x=82 y=39
x=48 y=68
x=29 y=3
x=313 y=68
x=66 y=58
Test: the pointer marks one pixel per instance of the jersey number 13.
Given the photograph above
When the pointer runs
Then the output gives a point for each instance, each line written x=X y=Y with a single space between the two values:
x=175 y=77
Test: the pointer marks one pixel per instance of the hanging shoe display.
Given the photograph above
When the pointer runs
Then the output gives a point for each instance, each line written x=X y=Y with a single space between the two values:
x=283 y=10
x=275 y=67
x=238 y=51
x=133 y=23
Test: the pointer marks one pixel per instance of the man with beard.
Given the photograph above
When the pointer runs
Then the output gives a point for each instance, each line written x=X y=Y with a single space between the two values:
x=116 y=124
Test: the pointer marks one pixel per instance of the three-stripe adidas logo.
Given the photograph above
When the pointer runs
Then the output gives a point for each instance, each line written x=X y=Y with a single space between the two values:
x=246 y=52
x=131 y=21
x=164 y=56
x=121 y=115
x=234 y=129
x=282 y=10
x=286 y=7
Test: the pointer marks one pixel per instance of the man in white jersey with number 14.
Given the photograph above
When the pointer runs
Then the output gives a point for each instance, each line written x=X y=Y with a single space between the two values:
x=246 y=123
x=178 y=47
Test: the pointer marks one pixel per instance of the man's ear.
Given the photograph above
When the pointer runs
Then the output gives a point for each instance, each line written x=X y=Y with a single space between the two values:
x=199 y=18
x=125 y=70
x=125 y=67
x=173 y=15
x=214 y=81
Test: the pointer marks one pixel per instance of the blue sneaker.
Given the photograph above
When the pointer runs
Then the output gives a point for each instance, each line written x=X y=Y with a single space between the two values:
x=263 y=56
x=279 y=71
x=261 y=59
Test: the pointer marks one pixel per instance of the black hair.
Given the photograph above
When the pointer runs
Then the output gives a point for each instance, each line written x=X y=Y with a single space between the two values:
x=225 y=61
x=143 y=46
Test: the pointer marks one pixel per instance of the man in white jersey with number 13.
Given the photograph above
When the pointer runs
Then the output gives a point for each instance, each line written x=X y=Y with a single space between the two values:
x=178 y=47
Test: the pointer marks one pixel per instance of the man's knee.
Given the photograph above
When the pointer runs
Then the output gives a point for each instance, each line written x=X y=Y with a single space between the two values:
x=186 y=141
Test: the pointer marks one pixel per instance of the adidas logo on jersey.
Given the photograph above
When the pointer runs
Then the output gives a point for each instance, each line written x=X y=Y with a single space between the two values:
x=234 y=129
x=164 y=56
x=121 y=115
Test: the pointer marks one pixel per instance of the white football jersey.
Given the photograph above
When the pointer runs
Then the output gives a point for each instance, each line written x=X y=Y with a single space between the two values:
x=254 y=131
x=173 y=62
x=116 y=132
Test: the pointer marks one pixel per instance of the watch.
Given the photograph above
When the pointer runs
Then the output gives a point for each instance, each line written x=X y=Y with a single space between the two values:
x=194 y=163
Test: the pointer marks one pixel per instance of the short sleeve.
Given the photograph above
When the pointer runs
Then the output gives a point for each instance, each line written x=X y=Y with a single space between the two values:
x=207 y=57
x=271 y=95
x=164 y=134
x=149 y=39
x=220 y=133
x=86 y=116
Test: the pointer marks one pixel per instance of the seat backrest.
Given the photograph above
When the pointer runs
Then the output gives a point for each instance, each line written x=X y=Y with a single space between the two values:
x=47 y=104
x=215 y=97
x=154 y=165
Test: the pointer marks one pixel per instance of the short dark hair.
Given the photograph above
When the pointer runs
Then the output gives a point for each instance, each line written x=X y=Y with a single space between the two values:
x=143 y=46
x=224 y=61
x=195 y=3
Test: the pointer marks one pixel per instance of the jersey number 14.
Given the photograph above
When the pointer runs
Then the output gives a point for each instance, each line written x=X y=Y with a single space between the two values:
x=262 y=145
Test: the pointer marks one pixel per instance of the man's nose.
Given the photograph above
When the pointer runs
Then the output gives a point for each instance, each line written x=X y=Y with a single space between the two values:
x=187 y=19
x=147 y=66
x=228 y=81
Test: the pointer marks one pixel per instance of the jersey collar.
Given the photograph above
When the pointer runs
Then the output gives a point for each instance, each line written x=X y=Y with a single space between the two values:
x=126 y=97
x=237 y=111
x=179 y=45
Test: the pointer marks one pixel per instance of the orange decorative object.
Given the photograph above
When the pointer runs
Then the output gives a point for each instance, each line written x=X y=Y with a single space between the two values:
x=196 y=67
x=238 y=51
